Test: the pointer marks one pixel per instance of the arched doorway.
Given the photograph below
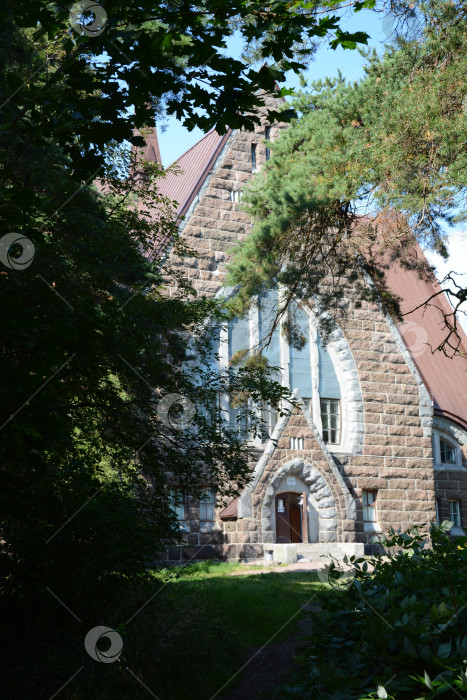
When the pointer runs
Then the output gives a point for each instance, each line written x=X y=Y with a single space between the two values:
x=291 y=518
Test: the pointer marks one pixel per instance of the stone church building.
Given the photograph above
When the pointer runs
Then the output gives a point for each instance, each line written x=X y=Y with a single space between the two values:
x=380 y=437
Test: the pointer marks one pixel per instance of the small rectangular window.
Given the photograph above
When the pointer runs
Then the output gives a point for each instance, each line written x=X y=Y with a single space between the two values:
x=238 y=421
x=269 y=416
x=296 y=443
x=369 y=506
x=267 y=134
x=207 y=506
x=253 y=157
x=177 y=503
x=330 y=419
x=236 y=195
x=455 y=513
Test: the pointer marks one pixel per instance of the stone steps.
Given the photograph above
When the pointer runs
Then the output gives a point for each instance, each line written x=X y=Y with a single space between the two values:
x=291 y=553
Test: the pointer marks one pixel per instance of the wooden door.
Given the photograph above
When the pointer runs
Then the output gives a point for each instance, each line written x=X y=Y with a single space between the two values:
x=288 y=518
x=282 y=518
x=304 y=501
x=295 y=522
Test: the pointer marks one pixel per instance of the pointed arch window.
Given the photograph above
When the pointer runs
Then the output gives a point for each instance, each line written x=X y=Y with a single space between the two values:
x=446 y=452
x=303 y=362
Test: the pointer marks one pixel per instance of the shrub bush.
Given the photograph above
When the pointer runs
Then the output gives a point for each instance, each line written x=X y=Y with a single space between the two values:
x=399 y=630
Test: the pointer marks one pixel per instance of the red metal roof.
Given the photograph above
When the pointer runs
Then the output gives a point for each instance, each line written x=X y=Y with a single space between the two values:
x=230 y=511
x=194 y=166
x=445 y=377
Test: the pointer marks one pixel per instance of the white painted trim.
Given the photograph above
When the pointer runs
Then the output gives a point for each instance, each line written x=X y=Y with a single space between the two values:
x=442 y=427
x=244 y=504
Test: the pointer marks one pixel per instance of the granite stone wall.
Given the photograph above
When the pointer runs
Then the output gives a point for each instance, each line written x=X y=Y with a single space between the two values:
x=394 y=455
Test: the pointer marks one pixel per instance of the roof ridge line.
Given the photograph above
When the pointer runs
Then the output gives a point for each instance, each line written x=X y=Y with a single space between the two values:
x=193 y=146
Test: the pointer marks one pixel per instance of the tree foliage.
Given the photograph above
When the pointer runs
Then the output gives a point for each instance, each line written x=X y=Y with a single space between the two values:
x=91 y=347
x=368 y=166
x=395 y=627
x=90 y=87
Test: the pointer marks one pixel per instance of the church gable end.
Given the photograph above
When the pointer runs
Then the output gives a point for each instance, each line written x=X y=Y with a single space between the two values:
x=382 y=475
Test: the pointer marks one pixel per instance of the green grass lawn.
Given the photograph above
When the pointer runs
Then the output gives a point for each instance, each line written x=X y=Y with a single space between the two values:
x=231 y=615
x=195 y=633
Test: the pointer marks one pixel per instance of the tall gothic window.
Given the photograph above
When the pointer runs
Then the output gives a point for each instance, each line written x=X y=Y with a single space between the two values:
x=303 y=362
x=267 y=136
x=253 y=157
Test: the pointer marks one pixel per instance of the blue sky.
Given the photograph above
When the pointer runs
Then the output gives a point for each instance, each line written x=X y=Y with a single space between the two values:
x=176 y=139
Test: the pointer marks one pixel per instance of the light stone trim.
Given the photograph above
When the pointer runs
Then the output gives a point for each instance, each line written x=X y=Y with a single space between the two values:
x=457 y=435
x=244 y=503
x=199 y=195
x=352 y=416
x=318 y=488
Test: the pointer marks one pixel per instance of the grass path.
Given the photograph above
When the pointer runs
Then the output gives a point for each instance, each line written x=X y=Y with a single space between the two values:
x=270 y=666
x=260 y=614
x=190 y=633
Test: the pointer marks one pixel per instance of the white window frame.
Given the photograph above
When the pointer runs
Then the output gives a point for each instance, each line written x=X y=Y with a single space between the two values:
x=329 y=414
x=174 y=495
x=314 y=400
x=437 y=463
x=455 y=513
x=207 y=506
x=270 y=417
x=236 y=195
x=372 y=505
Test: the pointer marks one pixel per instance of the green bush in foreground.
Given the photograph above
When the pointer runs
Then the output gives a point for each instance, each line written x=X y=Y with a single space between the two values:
x=399 y=630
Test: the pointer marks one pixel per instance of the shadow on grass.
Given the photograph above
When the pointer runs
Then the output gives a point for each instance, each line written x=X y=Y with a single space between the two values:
x=192 y=636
